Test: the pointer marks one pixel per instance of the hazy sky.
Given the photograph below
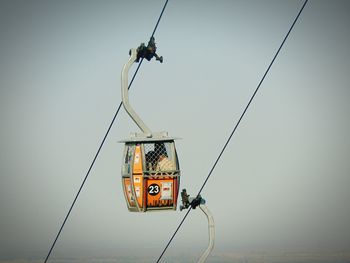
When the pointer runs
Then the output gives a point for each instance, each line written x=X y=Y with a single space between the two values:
x=284 y=179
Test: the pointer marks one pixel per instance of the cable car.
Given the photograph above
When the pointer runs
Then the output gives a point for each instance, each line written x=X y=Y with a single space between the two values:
x=150 y=168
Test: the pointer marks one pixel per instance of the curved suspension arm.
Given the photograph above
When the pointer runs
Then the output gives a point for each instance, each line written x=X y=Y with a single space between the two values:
x=211 y=229
x=187 y=202
x=125 y=95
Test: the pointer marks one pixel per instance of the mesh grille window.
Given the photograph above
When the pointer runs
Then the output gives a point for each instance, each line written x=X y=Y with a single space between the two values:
x=159 y=157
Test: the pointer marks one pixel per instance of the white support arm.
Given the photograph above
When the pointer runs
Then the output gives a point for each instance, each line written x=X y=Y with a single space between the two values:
x=211 y=229
x=125 y=95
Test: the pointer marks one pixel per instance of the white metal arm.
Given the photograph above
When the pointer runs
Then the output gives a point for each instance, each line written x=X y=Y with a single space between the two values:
x=125 y=95
x=211 y=230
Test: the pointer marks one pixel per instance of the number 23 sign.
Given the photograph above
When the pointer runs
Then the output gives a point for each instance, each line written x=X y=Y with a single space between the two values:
x=153 y=189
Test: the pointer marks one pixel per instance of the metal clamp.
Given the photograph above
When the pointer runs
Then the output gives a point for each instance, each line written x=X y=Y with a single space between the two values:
x=148 y=52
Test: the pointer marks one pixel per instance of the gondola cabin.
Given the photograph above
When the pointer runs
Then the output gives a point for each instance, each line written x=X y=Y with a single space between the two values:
x=150 y=169
x=150 y=174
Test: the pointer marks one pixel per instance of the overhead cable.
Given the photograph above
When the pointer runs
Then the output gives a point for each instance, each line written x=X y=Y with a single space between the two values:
x=235 y=127
x=101 y=145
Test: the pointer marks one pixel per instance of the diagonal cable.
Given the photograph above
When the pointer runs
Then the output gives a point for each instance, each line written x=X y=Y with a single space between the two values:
x=235 y=127
x=101 y=145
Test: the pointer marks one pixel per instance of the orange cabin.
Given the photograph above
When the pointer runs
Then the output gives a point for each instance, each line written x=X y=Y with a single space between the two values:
x=150 y=174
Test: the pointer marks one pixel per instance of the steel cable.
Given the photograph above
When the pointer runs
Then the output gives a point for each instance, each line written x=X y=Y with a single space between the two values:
x=101 y=145
x=235 y=127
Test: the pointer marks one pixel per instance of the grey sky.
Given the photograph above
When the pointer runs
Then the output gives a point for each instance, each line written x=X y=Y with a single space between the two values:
x=284 y=179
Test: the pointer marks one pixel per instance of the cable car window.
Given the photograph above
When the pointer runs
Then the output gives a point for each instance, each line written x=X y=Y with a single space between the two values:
x=128 y=154
x=159 y=157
